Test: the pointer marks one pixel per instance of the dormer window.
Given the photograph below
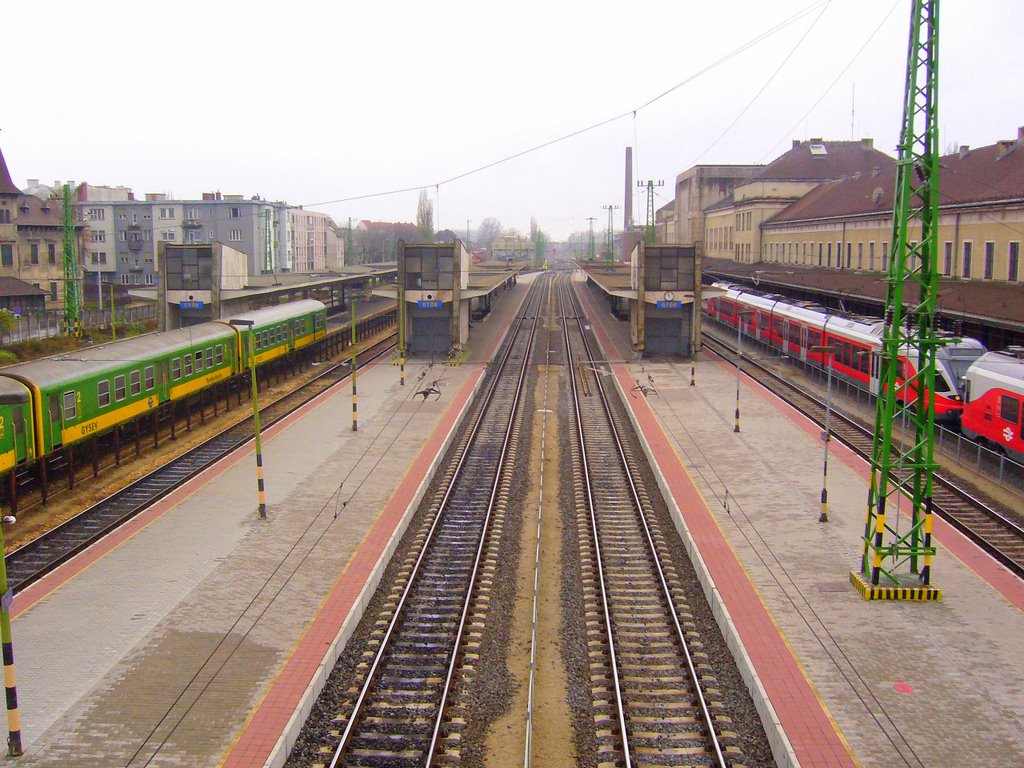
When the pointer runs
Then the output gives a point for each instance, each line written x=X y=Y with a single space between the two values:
x=818 y=150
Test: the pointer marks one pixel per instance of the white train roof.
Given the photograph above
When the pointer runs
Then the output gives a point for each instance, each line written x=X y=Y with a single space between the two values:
x=999 y=368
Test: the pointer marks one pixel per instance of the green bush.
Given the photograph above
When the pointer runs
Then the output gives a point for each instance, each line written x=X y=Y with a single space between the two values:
x=7 y=358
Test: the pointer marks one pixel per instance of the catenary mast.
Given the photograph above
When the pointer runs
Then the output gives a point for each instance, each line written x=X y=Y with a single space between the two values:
x=896 y=561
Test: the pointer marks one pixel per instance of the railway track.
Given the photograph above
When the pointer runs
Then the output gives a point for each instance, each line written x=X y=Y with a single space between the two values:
x=995 y=533
x=655 y=701
x=30 y=562
x=404 y=711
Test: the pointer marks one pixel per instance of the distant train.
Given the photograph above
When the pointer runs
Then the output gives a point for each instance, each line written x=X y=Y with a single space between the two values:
x=994 y=396
x=796 y=328
x=49 y=404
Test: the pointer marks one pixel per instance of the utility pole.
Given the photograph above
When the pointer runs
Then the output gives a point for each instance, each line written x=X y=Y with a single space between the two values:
x=610 y=242
x=71 y=306
x=895 y=561
x=651 y=230
x=348 y=243
x=467 y=233
x=590 y=255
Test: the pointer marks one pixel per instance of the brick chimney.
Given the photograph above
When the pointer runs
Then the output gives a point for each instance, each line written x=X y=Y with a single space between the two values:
x=867 y=144
x=796 y=143
x=964 y=149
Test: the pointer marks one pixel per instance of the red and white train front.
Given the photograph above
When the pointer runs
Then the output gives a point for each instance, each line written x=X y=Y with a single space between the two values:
x=994 y=396
x=795 y=329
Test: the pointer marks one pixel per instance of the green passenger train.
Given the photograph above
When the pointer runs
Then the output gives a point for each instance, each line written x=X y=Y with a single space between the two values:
x=49 y=404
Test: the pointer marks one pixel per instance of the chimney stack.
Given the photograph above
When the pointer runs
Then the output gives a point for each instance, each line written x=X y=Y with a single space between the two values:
x=964 y=149
x=867 y=144
x=796 y=143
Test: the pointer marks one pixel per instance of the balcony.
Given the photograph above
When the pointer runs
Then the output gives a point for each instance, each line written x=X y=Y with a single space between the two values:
x=192 y=224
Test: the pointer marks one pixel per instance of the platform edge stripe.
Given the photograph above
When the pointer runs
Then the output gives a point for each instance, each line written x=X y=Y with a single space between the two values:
x=279 y=752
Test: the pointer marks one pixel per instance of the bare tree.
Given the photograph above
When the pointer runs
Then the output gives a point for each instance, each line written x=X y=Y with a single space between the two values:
x=489 y=229
x=425 y=218
x=533 y=228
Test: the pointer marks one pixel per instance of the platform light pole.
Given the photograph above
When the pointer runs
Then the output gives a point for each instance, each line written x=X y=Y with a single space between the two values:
x=740 y=314
x=355 y=407
x=828 y=351
x=251 y=349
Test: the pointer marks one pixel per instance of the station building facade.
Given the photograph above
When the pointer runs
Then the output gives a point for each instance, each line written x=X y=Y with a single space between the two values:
x=847 y=224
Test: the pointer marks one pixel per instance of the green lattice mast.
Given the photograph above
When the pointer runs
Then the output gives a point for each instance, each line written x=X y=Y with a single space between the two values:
x=72 y=312
x=896 y=561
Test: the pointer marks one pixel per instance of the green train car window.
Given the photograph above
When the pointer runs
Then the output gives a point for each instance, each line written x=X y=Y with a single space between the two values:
x=209 y=357
x=134 y=383
x=199 y=361
x=150 y=377
x=188 y=365
x=119 y=388
x=219 y=352
x=70 y=405
x=175 y=368
x=103 y=393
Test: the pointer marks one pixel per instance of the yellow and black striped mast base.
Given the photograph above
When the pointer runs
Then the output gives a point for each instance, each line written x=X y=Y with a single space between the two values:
x=911 y=592
x=14 y=748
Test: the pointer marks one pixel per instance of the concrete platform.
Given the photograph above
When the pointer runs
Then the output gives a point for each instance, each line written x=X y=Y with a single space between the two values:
x=191 y=636
x=838 y=680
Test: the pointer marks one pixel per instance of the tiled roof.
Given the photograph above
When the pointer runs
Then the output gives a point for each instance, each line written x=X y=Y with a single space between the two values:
x=818 y=160
x=725 y=202
x=986 y=174
x=6 y=185
x=12 y=286
x=34 y=212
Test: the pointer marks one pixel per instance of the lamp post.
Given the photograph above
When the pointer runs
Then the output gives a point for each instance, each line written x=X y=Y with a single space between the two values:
x=740 y=314
x=251 y=350
x=14 y=748
x=828 y=351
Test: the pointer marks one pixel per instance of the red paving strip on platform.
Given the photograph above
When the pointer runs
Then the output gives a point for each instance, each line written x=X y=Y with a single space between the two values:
x=963 y=549
x=263 y=729
x=801 y=713
x=69 y=570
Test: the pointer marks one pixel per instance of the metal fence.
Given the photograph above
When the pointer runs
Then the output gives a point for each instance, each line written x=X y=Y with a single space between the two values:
x=948 y=441
x=44 y=325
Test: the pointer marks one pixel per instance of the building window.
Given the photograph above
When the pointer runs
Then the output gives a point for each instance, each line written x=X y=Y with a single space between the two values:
x=103 y=393
x=33 y=256
x=53 y=291
x=885 y=256
x=70 y=405
x=150 y=278
x=96 y=214
x=235 y=235
x=1013 y=262
x=968 y=250
x=192 y=236
x=7 y=255
x=168 y=234
x=990 y=259
x=860 y=255
x=5 y=216
x=947 y=258
x=124 y=279
x=236 y=213
x=828 y=261
x=119 y=388
x=99 y=236
x=193 y=213
x=849 y=255
x=166 y=213
x=135 y=383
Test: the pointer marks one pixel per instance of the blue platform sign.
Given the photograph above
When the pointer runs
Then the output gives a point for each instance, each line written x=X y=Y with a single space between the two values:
x=190 y=305
x=424 y=304
x=669 y=304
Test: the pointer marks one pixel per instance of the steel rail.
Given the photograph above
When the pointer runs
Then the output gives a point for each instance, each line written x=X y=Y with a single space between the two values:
x=655 y=558
x=411 y=581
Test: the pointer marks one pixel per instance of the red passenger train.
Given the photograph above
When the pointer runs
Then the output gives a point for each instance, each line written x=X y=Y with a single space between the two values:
x=994 y=398
x=795 y=328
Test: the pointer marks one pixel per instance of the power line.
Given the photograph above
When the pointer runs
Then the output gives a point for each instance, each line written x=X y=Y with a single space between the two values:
x=594 y=126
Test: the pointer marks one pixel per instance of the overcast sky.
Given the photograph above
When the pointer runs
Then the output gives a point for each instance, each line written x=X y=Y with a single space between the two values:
x=312 y=102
